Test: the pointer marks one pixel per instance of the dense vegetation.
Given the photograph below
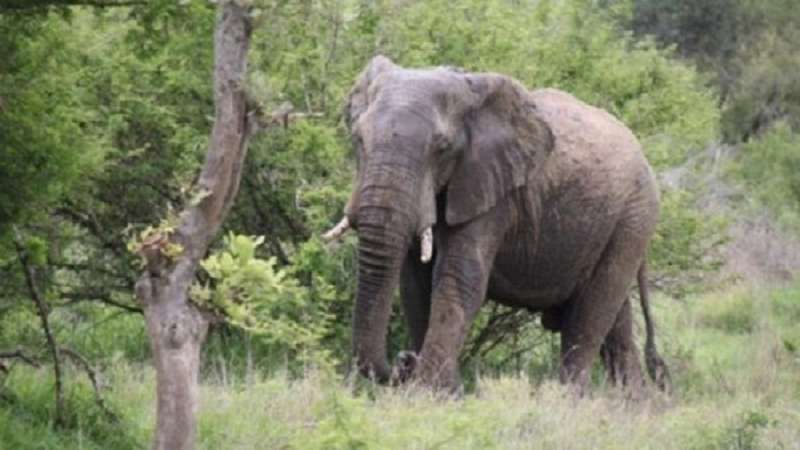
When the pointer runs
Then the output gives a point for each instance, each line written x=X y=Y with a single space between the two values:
x=104 y=119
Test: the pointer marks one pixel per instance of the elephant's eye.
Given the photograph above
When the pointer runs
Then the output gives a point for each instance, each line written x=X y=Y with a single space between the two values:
x=447 y=146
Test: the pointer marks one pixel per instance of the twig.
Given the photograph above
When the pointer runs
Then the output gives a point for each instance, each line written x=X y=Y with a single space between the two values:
x=265 y=222
x=102 y=297
x=70 y=212
x=79 y=360
x=16 y=354
x=26 y=5
x=282 y=116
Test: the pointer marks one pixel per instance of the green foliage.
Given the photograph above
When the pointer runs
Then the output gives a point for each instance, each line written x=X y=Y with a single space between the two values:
x=44 y=113
x=104 y=120
x=687 y=242
x=706 y=29
x=767 y=91
x=252 y=294
x=747 y=45
x=768 y=166
x=568 y=45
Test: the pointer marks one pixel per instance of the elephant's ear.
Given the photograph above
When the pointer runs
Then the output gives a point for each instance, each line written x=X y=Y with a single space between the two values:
x=358 y=99
x=507 y=139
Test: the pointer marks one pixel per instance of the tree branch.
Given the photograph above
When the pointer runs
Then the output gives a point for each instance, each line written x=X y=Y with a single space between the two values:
x=102 y=297
x=16 y=354
x=265 y=222
x=28 y=5
x=79 y=360
x=281 y=116
x=43 y=312
x=70 y=212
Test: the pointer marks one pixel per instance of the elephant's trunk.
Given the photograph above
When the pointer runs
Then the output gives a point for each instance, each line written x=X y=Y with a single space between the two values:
x=386 y=223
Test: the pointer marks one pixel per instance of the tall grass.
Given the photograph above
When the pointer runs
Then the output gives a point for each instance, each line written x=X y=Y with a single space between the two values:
x=734 y=356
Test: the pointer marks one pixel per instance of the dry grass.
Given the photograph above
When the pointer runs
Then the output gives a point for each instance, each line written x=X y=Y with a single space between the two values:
x=734 y=357
x=737 y=380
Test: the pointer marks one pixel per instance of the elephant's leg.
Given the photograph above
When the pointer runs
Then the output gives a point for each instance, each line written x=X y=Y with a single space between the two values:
x=593 y=310
x=461 y=277
x=619 y=353
x=415 y=291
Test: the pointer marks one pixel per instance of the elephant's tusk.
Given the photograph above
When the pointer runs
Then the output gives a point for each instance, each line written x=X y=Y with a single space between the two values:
x=337 y=231
x=427 y=245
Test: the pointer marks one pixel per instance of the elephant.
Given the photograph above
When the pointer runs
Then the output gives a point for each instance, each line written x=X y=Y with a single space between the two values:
x=468 y=186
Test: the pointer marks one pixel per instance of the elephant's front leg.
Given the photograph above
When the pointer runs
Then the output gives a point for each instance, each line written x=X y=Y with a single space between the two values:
x=460 y=279
x=415 y=292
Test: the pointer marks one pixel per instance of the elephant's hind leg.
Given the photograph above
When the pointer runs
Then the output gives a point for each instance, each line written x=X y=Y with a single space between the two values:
x=592 y=312
x=619 y=353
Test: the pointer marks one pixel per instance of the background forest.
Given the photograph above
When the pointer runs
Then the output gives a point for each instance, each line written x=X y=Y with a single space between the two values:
x=105 y=112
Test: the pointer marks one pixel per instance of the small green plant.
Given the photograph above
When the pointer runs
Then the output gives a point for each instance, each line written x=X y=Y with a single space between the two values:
x=686 y=245
x=732 y=313
x=251 y=293
x=769 y=166
x=743 y=434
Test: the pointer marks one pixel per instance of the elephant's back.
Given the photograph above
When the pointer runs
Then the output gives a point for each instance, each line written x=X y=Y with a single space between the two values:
x=584 y=130
x=591 y=146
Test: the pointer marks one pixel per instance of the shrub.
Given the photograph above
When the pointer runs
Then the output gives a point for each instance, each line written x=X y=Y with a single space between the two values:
x=250 y=293
x=769 y=166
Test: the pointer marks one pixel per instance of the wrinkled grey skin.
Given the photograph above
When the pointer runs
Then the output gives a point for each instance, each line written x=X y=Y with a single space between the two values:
x=536 y=199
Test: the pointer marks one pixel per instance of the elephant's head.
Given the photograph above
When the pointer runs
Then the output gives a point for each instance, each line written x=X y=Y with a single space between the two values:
x=418 y=134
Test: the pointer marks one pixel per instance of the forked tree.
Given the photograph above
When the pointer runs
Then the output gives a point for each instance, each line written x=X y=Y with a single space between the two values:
x=176 y=326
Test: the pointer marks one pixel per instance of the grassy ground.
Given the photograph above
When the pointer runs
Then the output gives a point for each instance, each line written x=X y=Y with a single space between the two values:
x=735 y=358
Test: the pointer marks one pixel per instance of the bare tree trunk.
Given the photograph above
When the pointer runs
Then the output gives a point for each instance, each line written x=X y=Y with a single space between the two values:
x=176 y=327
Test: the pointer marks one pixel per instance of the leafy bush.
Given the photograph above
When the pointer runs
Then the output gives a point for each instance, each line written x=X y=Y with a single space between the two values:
x=44 y=107
x=250 y=293
x=769 y=166
x=686 y=245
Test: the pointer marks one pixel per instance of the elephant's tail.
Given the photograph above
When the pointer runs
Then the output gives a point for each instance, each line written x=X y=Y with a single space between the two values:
x=656 y=366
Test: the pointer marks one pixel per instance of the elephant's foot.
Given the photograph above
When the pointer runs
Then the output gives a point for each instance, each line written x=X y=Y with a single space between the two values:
x=622 y=366
x=620 y=355
x=575 y=379
x=408 y=368
x=441 y=377
x=404 y=366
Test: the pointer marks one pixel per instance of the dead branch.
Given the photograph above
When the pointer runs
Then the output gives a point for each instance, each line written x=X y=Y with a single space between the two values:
x=27 y=5
x=16 y=354
x=91 y=373
x=43 y=313
x=281 y=116
x=102 y=297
